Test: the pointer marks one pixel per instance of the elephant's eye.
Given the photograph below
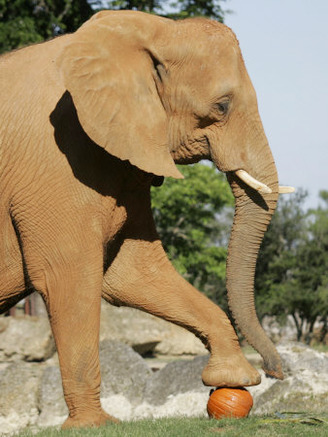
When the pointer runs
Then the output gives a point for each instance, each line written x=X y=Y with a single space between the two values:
x=223 y=107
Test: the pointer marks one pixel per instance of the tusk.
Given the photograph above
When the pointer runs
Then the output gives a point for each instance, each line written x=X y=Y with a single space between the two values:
x=284 y=190
x=252 y=182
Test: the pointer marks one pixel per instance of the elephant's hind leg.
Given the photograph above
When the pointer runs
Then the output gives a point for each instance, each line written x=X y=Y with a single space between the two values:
x=142 y=277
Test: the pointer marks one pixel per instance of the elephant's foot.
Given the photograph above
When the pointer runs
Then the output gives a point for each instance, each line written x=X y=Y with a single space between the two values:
x=233 y=372
x=88 y=420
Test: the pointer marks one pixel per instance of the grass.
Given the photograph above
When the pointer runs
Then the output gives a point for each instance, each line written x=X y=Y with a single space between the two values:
x=320 y=347
x=287 y=424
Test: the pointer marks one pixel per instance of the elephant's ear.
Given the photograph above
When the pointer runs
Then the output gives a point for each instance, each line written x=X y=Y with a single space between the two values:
x=109 y=73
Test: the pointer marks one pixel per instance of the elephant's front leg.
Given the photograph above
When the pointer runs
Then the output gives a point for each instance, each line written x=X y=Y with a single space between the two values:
x=73 y=298
x=141 y=276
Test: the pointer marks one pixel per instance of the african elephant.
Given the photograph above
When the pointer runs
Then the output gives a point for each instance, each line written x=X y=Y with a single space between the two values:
x=88 y=122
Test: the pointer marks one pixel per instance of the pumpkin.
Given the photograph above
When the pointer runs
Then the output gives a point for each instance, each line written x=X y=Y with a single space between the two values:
x=229 y=402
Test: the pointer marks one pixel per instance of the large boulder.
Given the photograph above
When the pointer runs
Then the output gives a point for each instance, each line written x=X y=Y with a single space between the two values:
x=146 y=333
x=175 y=390
x=305 y=387
x=26 y=338
x=123 y=372
x=52 y=406
x=177 y=341
x=130 y=326
x=19 y=388
x=176 y=378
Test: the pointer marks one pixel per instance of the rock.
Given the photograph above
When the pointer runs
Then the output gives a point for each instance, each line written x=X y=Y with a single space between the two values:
x=305 y=387
x=4 y=322
x=119 y=407
x=176 y=378
x=174 y=391
x=178 y=341
x=123 y=372
x=146 y=333
x=297 y=357
x=189 y=404
x=130 y=326
x=51 y=398
x=26 y=338
x=19 y=386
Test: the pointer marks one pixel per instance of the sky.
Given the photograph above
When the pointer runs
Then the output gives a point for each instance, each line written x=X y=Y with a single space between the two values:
x=285 y=48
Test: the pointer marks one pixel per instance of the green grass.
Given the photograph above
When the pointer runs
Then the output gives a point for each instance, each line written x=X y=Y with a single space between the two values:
x=320 y=347
x=288 y=424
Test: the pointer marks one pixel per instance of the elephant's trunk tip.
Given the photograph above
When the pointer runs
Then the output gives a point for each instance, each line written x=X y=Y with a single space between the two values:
x=275 y=370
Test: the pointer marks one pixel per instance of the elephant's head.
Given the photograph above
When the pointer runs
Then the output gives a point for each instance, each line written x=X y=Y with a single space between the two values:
x=157 y=92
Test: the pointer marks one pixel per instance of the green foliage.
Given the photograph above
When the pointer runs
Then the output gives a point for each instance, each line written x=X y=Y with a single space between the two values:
x=30 y=21
x=136 y=5
x=278 y=255
x=197 y=8
x=293 y=263
x=187 y=217
x=172 y=9
x=24 y=22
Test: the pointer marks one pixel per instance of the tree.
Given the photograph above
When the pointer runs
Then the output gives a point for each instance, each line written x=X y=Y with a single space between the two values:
x=172 y=9
x=137 y=5
x=276 y=285
x=190 y=216
x=30 y=21
x=313 y=266
x=197 y=8
x=277 y=255
x=24 y=22
x=293 y=261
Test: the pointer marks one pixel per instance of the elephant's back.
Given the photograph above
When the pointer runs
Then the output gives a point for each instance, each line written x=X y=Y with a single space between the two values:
x=30 y=87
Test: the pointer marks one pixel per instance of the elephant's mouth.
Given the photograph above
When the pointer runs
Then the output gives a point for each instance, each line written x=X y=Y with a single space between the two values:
x=260 y=186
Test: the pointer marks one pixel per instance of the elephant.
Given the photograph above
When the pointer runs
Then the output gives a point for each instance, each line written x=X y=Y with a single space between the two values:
x=89 y=121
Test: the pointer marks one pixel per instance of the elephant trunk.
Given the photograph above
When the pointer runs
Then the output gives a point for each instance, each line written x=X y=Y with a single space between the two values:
x=253 y=214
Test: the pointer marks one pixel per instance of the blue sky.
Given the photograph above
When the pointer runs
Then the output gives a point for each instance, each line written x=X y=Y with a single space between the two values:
x=285 y=47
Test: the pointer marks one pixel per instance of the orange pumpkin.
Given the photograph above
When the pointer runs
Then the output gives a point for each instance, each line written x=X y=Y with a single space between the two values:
x=229 y=402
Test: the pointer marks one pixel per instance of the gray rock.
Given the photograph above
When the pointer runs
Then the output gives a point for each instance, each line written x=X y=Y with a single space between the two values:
x=51 y=398
x=298 y=357
x=19 y=386
x=26 y=338
x=130 y=326
x=305 y=387
x=178 y=341
x=176 y=378
x=146 y=333
x=123 y=372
